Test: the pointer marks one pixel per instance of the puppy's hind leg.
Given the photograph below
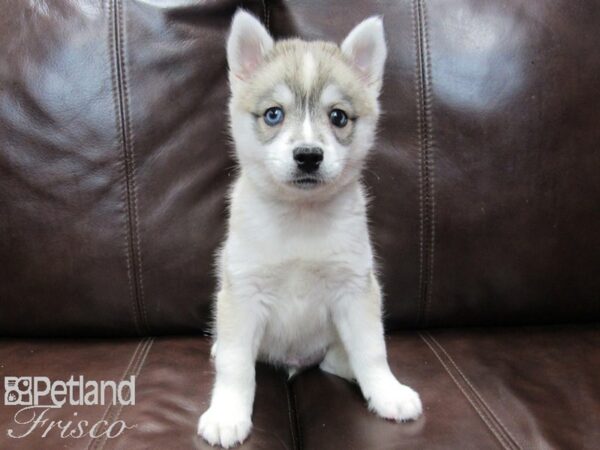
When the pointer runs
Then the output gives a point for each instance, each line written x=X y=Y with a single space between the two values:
x=336 y=362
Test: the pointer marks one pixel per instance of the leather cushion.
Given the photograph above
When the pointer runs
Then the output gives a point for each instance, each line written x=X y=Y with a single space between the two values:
x=174 y=379
x=505 y=388
x=115 y=162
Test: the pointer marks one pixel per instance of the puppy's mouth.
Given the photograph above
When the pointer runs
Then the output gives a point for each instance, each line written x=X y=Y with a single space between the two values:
x=306 y=182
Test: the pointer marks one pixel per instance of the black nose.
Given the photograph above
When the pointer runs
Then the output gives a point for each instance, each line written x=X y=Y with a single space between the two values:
x=308 y=159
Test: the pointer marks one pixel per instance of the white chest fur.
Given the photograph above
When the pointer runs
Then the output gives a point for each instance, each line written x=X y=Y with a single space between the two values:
x=298 y=327
x=289 y=263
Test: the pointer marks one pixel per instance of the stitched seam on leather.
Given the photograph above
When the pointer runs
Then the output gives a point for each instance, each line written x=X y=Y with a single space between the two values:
x=486 y=420
x=267 y=14
x=136 y=370
x=92 y=444
x=430 y=159
x=420 y=176
x=131 y=142
x=129 y=162
x=122 y=169
x=93 y=441
x=293 y=416
x=424 y=135
x=477 y=394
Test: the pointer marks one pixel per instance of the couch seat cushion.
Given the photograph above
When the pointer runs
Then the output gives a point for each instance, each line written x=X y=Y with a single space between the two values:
x=496 y=388
x=524 y=388
x=173 y=383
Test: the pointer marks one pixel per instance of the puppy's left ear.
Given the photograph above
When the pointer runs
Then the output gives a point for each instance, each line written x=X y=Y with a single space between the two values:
x=365 y=47
x=247 y=45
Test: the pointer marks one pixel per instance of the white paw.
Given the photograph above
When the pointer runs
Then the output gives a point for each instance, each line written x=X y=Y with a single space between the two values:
x=224 y=427
x=395 y=401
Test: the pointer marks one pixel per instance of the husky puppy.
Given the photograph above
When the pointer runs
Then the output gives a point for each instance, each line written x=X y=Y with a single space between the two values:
x=297 y=284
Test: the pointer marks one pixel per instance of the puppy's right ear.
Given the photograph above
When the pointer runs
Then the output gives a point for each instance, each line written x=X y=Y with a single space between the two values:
x=247 y=45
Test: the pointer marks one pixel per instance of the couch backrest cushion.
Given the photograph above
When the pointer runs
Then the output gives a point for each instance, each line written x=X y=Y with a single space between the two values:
x=115 y=161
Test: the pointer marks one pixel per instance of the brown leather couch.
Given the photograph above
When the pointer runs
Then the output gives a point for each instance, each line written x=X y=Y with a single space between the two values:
x=115 y=161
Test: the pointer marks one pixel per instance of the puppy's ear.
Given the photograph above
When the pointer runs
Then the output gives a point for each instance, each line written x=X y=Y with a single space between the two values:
x=365 y=47
x=247 y=45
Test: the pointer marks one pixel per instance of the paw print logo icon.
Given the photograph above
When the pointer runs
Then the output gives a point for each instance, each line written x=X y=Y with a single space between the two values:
x=17 y=391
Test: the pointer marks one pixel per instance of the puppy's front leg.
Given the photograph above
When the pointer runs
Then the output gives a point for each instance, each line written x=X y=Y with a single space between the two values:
x=357 y=317
x=227 y=421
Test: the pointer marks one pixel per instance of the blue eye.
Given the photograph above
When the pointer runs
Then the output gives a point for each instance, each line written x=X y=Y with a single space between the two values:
x=273 y=116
